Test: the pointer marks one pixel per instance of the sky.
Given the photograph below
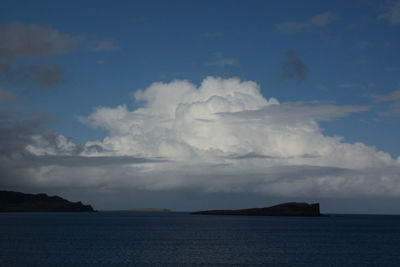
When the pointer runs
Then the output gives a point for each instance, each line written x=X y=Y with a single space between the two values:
x=202 y=104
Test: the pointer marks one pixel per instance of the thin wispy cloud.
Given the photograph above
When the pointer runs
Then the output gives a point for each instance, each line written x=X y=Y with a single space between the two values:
x=6 y=95
x=392 y=69
x=389 y=44
x=360 y=62
x=317 y=21
x=392 y=12
x=213 y=34
x=18 y=40
x=351 y=86
x=393 y=98
x=220 y=60
x=33 y=40
x=105 y=45
x=292 y=67
x=322 y=87
x=44 y=76
x=366 y=44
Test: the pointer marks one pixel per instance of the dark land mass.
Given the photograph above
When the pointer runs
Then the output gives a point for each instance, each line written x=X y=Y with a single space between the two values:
x=284 y=209
x=16 y=201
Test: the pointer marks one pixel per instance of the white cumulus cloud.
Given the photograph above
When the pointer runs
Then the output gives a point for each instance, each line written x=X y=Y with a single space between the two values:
x=221 y=136
x=225 y=136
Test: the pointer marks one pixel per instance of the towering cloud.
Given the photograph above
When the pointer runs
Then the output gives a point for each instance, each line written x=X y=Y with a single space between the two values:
x=225 y=136
x=222 y=136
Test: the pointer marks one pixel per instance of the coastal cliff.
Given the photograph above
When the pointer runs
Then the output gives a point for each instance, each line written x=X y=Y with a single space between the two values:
x=16 y=201
x=284 y=209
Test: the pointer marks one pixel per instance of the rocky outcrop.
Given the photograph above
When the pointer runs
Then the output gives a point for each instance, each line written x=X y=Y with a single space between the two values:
x=16 y=201
x=285 y=209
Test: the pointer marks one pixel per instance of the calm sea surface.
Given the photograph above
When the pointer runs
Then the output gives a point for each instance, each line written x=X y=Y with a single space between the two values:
x=176 y=239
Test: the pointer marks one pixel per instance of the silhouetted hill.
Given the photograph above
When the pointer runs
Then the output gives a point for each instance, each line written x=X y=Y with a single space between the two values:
x=16 y=201
x=285 y=209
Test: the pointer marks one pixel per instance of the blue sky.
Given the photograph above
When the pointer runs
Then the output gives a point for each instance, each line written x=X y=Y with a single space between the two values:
x=337 y=53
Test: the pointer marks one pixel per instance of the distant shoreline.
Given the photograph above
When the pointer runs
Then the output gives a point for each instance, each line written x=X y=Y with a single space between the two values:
x=149 y=210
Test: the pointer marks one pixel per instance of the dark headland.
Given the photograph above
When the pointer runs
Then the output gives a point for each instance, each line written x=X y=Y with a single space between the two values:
x=16 y=201
x=284 y=209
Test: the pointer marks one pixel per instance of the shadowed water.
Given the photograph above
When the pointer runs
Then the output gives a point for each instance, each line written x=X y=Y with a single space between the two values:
x=176 y=239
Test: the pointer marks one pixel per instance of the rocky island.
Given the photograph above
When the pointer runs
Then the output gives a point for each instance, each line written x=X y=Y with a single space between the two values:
x=16 y=201
x=284 y=209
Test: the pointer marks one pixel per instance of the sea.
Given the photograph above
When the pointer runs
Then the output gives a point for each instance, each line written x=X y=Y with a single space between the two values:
x=182 y=239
